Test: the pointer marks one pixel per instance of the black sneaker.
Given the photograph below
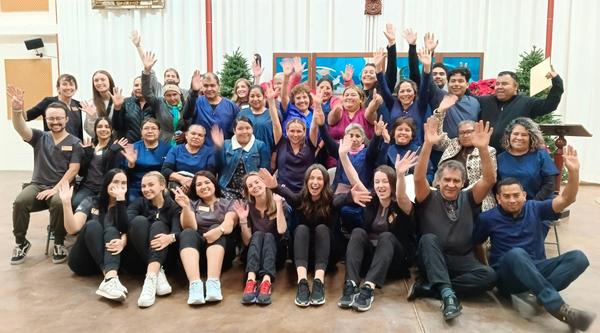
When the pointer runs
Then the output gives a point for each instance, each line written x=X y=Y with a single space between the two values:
x=60 y=254
x=303 y=294
x=317 y=297
x=364 y=299
x=576 y=319
x=420 y=290
x=451 y=307
x=19 y=253
x=348 y=295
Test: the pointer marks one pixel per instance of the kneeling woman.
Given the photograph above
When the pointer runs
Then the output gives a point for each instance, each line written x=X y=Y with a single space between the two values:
x=386 y=244
x=262 y=223
x=100 y=222
x=207 y=220
x=313 y=208
x=153 y=226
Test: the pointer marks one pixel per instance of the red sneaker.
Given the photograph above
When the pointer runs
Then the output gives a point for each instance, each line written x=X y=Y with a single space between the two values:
x=250 y=292
x=264 y=295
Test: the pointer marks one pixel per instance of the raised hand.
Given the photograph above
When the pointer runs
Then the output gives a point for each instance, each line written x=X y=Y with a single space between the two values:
x=130 y=154
x=348 y=72
x=552 y=73
x=377 y=100
x=430 y=42
x=482 y=134
x=447 y=102
x=16 y=96
x=317 y=98
x=345 y=145
x=318 y=114
x=298 y=65
x=570 y=159
x=267 y=178
x=407 y=161
x=136 y=38
x=279 y=200
x=117 y=97
x=180 y=197
x=270 y=94
x=379 y=60
x=117 y=192
x=217 y=136
x=431 y=131
x=359 y=196
x=196 y=80
x=380 y=126
x=241 y=209
x=410 y=36
x=257 y=70
x=65 y=192
x=390 y=33
x=287 y=66
x=122 y=142
x=425 y=56
x=148 y=59
x=89 y=109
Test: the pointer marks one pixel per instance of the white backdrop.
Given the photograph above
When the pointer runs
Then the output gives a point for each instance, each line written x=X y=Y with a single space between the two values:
x=91 y=39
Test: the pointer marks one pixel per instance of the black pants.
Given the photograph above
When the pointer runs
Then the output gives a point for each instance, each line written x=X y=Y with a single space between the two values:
x=302 y=242
x=464 y=274
x=190 y=238
x=265 y=253
x=141 y=232
x=362 y=255
x=89 y=256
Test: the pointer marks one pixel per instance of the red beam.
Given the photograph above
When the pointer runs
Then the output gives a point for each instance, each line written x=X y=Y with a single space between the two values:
x=549 y=24
x=209 y=46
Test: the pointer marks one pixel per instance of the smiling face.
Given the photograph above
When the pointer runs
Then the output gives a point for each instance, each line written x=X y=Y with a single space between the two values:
x=296 y=132
x=210 y=87
x=205 y=189
x=195 y=136
x=137 y=87
x=151 y=187
x=406 y=94
x=519 y=139
x=368 y=77
x=450 y=183
x=511 y=198
x=465 y=132
x=103 y=130
x=438 y=75
x=302 y=101
x=66 y=88
x=325 y=89
x=351 y=99
x=243 y=132
x=255 y=186
x=172 y=97
x=256 y=99
x=241 y=90
x=506 y=87
x=56 y=119
x=382 y=186
x=101 y=82
x=457 y=85
x=150 y=132
x=315 y=183
x=171 y=77
x=403 y=134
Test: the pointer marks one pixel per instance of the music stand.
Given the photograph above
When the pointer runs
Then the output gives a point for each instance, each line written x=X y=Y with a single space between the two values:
x=562 y=130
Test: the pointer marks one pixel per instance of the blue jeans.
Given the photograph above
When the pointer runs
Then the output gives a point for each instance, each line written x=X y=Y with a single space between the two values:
x=518 y=273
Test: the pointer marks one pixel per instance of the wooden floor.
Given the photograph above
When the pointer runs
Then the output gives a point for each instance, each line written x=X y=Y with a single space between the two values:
x=39 y=296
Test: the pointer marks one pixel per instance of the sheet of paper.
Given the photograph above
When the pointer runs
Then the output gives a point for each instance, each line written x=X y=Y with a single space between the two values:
x=538 y=81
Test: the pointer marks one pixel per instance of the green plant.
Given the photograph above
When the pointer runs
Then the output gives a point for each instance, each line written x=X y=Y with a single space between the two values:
x=235 y=67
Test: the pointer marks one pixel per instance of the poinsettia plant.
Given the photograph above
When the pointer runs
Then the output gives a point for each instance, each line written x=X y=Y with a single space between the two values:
x=483 y=87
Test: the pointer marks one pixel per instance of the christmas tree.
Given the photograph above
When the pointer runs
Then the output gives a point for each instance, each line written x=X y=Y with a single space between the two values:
x=235 y=67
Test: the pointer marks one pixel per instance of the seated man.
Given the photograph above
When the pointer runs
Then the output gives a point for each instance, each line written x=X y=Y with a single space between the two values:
x=517 y=254
x=57 y=156
x=445 y=214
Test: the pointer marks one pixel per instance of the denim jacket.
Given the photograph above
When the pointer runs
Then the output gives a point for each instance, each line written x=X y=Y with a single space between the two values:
x=254 y=156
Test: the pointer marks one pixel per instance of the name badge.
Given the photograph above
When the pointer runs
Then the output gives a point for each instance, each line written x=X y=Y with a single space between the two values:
x=66 y=148
x=95 y=211
x=74 y=109
x=203 y=209
x=392 y=217
x=99 y=153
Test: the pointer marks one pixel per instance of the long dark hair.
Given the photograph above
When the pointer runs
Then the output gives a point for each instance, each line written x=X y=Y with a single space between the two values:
x=95 y=137
x=321 y=207
x=103 y=196
x=98 y=100
x=193 y=195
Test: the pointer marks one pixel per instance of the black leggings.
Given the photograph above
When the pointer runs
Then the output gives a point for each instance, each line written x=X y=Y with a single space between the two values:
x=190 y=238
x=265 y=254
x=89 y=256
x=322 y=243
x=141 y=232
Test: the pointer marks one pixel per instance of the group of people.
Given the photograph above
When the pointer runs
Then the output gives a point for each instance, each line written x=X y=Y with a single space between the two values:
x=387 y=176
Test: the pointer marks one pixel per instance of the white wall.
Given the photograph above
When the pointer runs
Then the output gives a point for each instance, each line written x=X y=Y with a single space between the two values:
x=90 y=40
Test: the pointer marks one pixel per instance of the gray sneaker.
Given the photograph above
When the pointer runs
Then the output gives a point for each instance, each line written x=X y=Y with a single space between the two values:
x=213 y=290
x=148 y=295
x=162 y=285
x=111 y=290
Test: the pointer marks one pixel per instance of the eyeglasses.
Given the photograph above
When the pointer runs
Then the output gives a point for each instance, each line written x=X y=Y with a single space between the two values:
x=53 y=119
x=465 y=133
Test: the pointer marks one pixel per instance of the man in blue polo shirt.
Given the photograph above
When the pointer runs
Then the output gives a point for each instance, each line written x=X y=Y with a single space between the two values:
x=517 y=254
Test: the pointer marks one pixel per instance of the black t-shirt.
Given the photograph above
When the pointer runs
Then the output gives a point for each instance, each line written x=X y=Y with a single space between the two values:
x=51 y=161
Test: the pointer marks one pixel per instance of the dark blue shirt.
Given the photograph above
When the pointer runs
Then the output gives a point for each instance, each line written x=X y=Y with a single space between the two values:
x=507 y=232
x=222 y=115
x=262 y=126
x=148 y=159
x=530 y=169
x=180 y=159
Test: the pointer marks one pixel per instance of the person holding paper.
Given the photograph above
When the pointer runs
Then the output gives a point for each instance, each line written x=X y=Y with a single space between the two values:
x=507 y=104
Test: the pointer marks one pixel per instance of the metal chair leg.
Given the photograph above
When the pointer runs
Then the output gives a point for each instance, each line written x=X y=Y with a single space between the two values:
x=556 y=237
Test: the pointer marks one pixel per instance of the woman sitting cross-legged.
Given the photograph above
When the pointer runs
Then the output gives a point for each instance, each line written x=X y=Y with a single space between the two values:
x=100 y=223
x=207 y=219
x=315 y=213
x=153 y=226
x=262 y=222
x=386 y=243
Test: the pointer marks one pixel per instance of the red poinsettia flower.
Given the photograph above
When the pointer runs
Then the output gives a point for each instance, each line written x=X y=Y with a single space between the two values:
x=483 y=87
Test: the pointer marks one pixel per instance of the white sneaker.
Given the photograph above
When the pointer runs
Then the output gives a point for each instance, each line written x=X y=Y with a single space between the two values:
x=121 y=286
x=213 y=290
x=162 y=285
x=110 y=290
x=196 y=293
x=148 y=295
